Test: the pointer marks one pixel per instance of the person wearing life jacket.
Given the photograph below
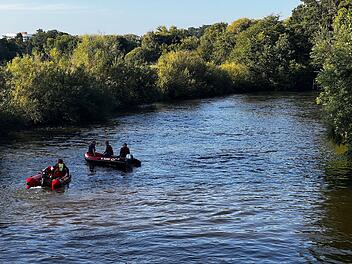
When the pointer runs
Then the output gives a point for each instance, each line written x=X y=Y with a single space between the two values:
x=61 y=175
x=60 y=169
x=109 y=152
x=124 y=151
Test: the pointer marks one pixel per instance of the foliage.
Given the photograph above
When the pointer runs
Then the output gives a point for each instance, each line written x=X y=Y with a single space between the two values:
x=125 y=80
x=162 y=40
x=97 y=53
x=197 y=32
x=138 y=55
x=336 y=77
x=131 y=83
x=56 y=78
x=213 y=42
x=44 y=93
x=239 y=25
x=64 y=44
x=266 y=49
x=39 y=40
x=184 y=74
x=180 y=75
x=238 y=74
x=7 y=119
x=189 y=43
x=10 y=48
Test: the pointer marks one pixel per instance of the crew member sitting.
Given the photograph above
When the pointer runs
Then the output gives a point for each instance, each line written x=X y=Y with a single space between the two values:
x=60 y=169
x=124 y=151
x=108 y=151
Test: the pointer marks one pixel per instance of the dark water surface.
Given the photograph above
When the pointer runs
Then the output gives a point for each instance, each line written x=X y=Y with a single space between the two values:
x=242 y=179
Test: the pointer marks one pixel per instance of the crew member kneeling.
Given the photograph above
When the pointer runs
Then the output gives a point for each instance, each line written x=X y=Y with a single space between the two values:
x=61 y=171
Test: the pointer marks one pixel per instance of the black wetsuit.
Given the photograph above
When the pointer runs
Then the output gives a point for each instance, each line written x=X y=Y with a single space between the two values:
x=124 y=151
x=91 y=149
x=108 y=151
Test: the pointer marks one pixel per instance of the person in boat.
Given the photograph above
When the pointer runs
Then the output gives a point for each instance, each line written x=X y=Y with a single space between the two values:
x=124 y=151
x=60 y=169
x=91 y=148
x=109 y=152
x=61 y=175
x=48 y=172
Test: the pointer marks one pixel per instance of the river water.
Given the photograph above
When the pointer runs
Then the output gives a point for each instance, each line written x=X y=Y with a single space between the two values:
x=239 y=179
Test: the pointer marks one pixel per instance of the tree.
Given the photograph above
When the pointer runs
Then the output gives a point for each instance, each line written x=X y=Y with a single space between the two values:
x=126 y=80
x=265 y=48
x=311 y=22
x=97 y=53
x=10 y=49
x=189 y=43
x=184 y=74
x=64 y=44
x=239 y=25
x=159 y=41
x=238 y=74
x=336 y=76
x=8 y=119
x=150 y=48
x=44 y=93
x=212 y=41
x=131 y=83
x=197 y=32
x=180 y=75
x=38 y=41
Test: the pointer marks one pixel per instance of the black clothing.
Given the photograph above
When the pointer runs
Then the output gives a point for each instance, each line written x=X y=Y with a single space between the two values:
x=124 y=151
x=91 y=149
x=108 y=151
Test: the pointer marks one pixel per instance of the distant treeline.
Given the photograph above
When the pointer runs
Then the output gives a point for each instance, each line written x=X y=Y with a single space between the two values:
x=56 y=78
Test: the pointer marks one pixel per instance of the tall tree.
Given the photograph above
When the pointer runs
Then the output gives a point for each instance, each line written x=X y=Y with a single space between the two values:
x=336 y=76
x=266 y=50
x=209 y=44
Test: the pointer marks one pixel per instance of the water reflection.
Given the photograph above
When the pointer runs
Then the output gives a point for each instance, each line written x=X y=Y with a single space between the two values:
x=333 y=240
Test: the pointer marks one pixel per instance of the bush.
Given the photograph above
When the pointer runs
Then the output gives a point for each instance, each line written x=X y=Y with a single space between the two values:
x=44 y=93
x=181 y=75
x=131 y=83
x=238 y=74
x=8 y=119
x=336 y=79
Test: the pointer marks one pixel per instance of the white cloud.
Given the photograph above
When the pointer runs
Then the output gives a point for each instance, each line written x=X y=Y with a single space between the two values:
x=41 y=7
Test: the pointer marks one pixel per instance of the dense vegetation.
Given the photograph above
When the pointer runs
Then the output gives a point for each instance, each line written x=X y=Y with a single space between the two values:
x=333 y=53
x=55 y=78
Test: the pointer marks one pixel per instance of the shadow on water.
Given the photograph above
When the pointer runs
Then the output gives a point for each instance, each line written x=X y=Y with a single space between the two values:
x=332 y=242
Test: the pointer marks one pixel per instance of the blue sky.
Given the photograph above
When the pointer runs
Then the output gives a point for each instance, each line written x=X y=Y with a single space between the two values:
x=130 y=16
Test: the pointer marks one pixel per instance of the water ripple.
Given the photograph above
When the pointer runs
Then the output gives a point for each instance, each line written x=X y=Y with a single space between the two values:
x=241 y=179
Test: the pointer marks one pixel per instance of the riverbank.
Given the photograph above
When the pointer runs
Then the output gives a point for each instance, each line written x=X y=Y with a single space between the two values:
x=11 y=125
x=55 y=78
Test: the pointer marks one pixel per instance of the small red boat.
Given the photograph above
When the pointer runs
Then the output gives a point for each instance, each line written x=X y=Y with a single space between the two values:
x=49 y=179
x=125 y=164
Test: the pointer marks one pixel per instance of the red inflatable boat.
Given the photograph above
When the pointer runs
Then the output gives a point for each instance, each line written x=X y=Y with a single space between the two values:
x=122 y=164
x=49 y=179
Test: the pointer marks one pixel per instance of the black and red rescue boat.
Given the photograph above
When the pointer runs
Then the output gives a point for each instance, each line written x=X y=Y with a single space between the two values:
x=124 y=164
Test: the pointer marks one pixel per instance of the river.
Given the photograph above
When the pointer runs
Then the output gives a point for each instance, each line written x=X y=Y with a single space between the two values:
x=239 y=179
